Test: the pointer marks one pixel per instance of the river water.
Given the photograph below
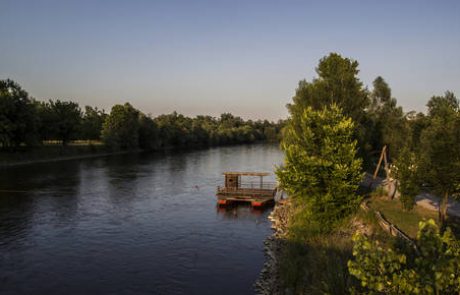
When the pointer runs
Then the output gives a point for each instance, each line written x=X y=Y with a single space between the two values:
x=131 y=224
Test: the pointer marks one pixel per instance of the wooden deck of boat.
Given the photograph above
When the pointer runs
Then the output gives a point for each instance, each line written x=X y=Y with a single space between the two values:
x=257 y=197
x=258 y=193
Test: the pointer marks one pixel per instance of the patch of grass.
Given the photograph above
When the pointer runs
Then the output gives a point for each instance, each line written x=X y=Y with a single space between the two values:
x=317 y=266
x=317 y=263
x=312 y=262
x=407 y=221
x=380 y=191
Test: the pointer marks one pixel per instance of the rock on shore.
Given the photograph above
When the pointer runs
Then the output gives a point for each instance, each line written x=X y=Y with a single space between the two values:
x=269 y=279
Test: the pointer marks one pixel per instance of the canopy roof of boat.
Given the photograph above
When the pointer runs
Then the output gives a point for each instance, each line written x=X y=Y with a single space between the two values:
x=247 y=173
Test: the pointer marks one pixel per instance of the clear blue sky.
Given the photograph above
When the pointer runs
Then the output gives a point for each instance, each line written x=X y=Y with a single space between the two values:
x=209 y=57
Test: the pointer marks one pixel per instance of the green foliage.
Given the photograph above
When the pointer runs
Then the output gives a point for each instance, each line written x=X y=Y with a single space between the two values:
x=439 y=106
x=321 y=170
x=179 y=131
x=434 y=268
x=63 y=119
x=439 y=153
x=18 y=120
x=121 y=128
x=408 y=179
x=388 y=125
x=24 y=121
x=92 y=122
x=417 y=123
x=337 y=83
x=148 y=133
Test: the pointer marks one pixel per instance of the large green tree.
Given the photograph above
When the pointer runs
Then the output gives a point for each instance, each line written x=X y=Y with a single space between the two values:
x=148 y=133
x=67 y=119
x=338 y=83
x=439 y=150
x=18 y=119
x=389 y=125
x=121 y=128
x=92 y=122
x=321 y=171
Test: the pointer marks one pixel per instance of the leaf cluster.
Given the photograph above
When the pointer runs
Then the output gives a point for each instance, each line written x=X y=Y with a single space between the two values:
x=432 y=268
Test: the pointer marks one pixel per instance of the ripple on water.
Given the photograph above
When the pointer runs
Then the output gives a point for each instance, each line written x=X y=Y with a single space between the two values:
x=131 y=224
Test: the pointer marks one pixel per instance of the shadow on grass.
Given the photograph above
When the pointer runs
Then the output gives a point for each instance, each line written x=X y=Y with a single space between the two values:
x=316 y=267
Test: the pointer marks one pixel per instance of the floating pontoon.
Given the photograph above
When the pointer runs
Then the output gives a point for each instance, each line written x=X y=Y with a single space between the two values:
x=239 y=189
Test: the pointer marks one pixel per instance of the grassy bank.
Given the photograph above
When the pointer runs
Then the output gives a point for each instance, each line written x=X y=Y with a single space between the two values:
x=407 y=221
x=52 y=152
x=317 y=264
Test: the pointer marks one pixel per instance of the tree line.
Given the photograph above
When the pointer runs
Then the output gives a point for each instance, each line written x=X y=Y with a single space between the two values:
x=335 y=132
x=27 y=122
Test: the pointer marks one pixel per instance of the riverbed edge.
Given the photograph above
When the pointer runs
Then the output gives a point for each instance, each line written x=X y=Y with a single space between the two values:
x=269 y=281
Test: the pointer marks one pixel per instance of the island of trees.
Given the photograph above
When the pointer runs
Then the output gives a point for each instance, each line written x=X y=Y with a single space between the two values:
x=336 y=131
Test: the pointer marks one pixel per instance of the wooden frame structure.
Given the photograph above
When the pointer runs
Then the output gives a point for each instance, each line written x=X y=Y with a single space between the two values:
x=258 y=193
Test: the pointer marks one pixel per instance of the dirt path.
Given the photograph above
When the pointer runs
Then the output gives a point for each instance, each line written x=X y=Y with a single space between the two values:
x=424 y=200
x=431 y=202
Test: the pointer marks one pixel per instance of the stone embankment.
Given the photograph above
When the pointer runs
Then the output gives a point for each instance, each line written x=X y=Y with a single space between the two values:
x=269 y=279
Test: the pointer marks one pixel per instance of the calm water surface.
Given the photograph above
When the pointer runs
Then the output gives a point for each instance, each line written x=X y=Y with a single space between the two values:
x=132 y=224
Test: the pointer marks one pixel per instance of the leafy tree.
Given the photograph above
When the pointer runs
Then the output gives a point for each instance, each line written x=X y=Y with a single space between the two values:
x=18 y=120
x=321 y=171
x=439 y=106
x=434 y=268
x=439 y=150
x=381 y=93
x=390 y=126
x=92 y=122
x=417 y=122
x=148 y=133
x=337 y=83
x=121 y=128
x=408 y=178
x=61 y=120
x=46 y=118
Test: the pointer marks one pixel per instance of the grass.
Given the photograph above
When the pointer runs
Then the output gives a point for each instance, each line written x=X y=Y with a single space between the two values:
x=407 y=221
x=318 y=264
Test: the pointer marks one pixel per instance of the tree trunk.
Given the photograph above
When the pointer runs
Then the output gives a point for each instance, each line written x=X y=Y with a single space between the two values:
x=443 y=209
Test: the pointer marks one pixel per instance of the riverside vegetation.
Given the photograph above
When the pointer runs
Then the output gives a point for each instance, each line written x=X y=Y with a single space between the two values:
x=335 y=130
x=32 y=129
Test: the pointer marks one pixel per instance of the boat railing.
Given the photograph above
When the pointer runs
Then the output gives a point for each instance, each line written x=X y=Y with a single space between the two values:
x=257 y=185
x=248 y=186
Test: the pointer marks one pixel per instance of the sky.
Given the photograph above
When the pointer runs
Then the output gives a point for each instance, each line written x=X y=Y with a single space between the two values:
x=210 y=57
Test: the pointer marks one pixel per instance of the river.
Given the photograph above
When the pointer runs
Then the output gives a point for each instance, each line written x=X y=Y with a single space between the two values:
x=131 y=224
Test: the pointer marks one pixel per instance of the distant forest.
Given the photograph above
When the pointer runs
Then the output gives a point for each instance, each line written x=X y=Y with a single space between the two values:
x=27 y=123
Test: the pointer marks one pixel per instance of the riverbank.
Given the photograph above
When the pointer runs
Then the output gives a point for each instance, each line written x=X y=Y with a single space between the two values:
x=269 y=281
x=55 y=153
x=315 y=266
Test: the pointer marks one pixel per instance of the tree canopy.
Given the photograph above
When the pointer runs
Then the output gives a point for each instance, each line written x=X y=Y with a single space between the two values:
x=25 y=121
x=321 y=169
x=18 y=119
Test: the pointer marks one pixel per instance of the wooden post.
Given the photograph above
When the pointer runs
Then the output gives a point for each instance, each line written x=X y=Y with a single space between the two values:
x=382 y=157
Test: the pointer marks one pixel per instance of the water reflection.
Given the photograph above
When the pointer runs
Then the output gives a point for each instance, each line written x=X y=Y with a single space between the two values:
x=242 y=211
x=132 y=224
